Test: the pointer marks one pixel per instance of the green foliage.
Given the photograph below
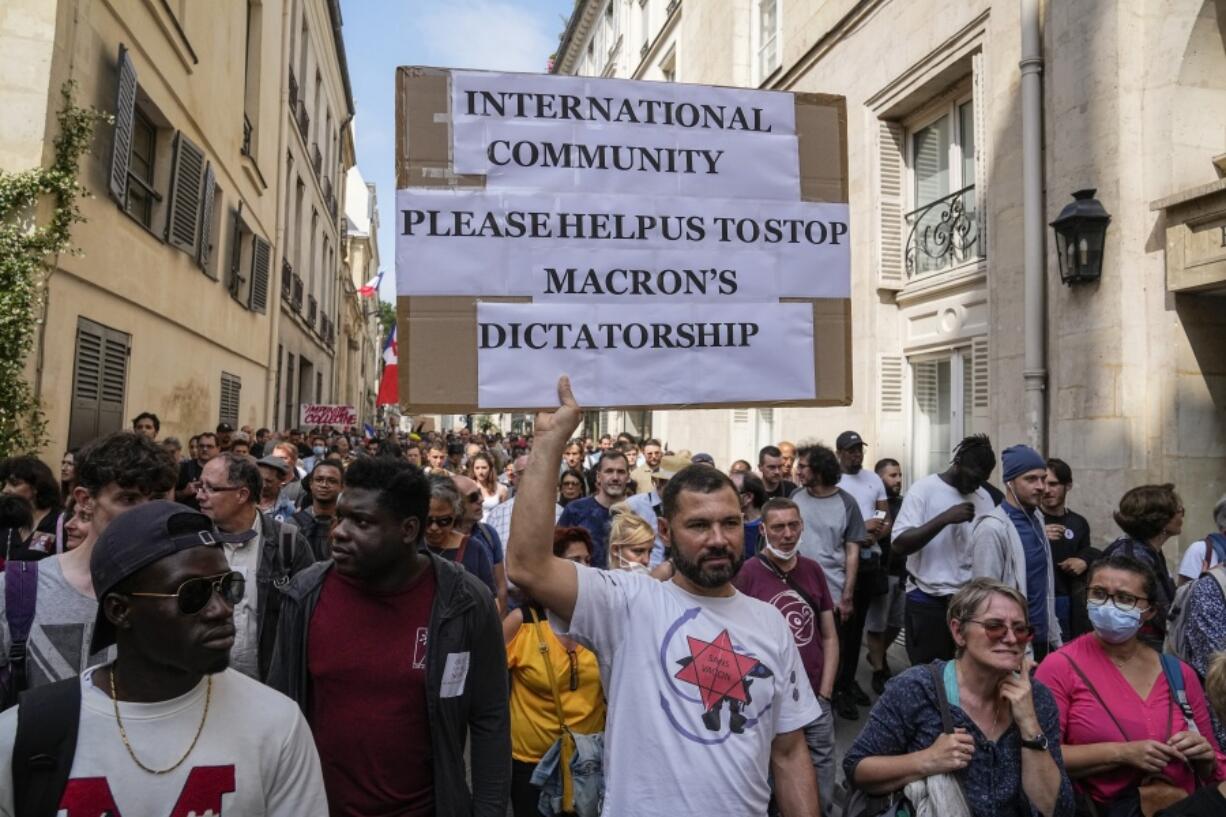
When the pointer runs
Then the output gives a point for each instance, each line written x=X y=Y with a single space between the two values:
x=26 y=247
x=387 y=318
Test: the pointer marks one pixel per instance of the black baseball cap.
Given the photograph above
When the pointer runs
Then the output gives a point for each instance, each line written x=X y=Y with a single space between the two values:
x=848 y=439
x=139 y=537
x=224 y=428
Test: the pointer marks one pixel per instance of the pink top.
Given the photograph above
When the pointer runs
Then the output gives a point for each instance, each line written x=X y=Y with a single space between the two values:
x=1083 y=721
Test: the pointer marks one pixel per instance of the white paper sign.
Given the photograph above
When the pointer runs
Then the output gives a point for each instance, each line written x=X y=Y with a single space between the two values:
x=474 y=242
x=455 y=673
x=312 y=415
x=652 y=354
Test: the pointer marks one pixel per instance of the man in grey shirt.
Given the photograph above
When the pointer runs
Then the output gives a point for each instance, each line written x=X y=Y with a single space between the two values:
x=114 y=474
x=834 y=531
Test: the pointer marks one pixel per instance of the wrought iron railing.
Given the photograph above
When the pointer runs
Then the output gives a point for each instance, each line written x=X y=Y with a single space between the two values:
x=293 y=91
x=304 y=120
x=944 y=234
x=670 y=8
x=312 y=309
x=287 y=276
x=297 y=297
x=317 y=158
x=246 y=149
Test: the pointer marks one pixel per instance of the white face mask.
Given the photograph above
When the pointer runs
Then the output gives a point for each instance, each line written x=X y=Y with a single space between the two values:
x=634 y=567
x=776 y=552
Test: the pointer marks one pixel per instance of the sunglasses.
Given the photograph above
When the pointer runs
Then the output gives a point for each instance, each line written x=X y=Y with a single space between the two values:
x=996 y=629
x=439 y=521
x=475 y=496
x=194 y=594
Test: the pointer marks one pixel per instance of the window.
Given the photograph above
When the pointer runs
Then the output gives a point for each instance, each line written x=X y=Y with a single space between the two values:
x=141 y=191
x=768 y=38
x=251 y=82
x=250 y=262
x=668 y=67
x=942 y=221
x=942 y=387
x=231 y=388
x=99 y=382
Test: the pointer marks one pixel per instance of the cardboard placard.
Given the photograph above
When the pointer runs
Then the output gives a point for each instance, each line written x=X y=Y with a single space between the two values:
x=438 y=334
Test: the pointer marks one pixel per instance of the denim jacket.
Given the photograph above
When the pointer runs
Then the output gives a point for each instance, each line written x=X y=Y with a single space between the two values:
x=587 y=773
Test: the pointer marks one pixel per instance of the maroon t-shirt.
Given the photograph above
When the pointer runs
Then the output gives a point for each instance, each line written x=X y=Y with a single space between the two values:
x=366 y=655
x=758 y=580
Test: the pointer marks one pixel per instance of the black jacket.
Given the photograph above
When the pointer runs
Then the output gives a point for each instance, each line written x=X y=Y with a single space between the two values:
x=281 y=557
x=463 y=619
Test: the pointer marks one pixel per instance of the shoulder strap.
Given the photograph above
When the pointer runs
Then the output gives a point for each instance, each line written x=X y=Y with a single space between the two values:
x=1094 y=692
x=1216 y=542
x=45 y=745
x=1172 y=668
x=567 y=739
x=791 y=583
x=947 y=720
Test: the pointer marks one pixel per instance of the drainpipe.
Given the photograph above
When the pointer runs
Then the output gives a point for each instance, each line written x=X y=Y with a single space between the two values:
x=1035 y=251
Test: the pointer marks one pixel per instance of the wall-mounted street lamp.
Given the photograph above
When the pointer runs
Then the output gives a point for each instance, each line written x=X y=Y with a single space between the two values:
x=1081 y=231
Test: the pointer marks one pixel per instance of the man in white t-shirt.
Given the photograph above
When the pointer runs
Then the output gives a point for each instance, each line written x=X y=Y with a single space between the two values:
x=1193 y=562
x=708 y=678
x=933 y=530
x=166 y=728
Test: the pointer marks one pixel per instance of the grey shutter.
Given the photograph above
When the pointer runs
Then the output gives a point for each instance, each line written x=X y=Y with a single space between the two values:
x=231 y=389
x=890 y=389
x=98 y=383
x=125 y=114
x=206 y=219
x=184 y=219
x=261 y=253
x=235 y=281
x=890 y=144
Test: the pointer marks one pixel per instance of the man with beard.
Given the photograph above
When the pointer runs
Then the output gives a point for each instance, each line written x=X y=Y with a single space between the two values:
x=315 y=521
x=165 y=728
x=770 y=467
x=885 y=613
x=1068 y=533
x=190 y=470
x=592 y=512
x=708 y=677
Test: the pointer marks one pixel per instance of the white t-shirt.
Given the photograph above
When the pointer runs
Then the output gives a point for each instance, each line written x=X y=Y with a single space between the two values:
x=697 y=687
x=255 y=756
x=867 y=488
x=944 y=564
x=1194 y=560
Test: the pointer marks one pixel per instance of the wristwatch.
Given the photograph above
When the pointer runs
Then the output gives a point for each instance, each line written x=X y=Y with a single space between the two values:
x=1038 y=742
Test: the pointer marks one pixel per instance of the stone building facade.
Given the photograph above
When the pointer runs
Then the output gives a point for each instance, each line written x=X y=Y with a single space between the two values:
x=199 y=194
x=1133 y=105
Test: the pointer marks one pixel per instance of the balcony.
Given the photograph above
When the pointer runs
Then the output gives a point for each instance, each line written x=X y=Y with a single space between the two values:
x=327 y=331
x=246 y=149
x=296 y=299
x=317 y=159
x=293 y=91
x=287 y=279
x=943 y=234
x=312 y=309
x=304 y=120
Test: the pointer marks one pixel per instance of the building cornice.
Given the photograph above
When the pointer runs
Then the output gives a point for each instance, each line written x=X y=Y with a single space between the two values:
x=577 y=29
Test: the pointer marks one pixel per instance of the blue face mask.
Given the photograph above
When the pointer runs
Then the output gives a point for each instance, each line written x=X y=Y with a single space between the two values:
x=1113 y=625
x=319 y=450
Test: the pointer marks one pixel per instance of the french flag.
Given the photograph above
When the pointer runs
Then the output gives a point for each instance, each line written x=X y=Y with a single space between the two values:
x=371 y=287
x=389 y=383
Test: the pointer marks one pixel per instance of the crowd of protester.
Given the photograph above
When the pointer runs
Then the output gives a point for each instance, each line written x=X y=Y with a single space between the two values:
x=320 y=621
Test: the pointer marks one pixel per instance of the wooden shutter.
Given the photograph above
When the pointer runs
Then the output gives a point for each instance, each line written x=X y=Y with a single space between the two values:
x=125 y=115
x=261 y=254
x=231 y=389
x=889 y=395
x=99 y=382
x=891 y=173
x=235 y=280
x=186 y=175
x=206 y=219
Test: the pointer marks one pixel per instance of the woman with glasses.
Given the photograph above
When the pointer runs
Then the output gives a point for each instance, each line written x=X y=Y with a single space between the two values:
x=576 y=677
x=1005 y=747
x=1149 y=515
x=1122 y=726
x=481 y=469
x=574 y=458
x=444 y=538
x=571 y=486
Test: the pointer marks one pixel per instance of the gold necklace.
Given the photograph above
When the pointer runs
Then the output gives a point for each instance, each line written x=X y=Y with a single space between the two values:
x=208 y=694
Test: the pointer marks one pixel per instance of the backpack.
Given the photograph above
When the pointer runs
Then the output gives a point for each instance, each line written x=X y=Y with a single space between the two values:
x=1177 y=621
x=46 y=743
x=20 y=594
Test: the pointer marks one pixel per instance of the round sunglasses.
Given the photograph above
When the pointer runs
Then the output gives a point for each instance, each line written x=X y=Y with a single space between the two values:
x=194 y=594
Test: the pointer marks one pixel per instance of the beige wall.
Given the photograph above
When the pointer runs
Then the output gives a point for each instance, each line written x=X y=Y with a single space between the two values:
x=1135 y=105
